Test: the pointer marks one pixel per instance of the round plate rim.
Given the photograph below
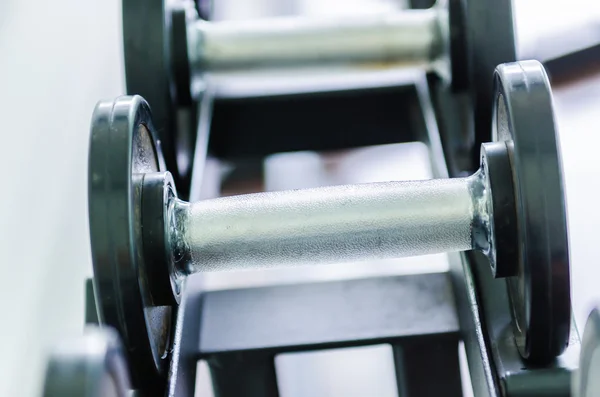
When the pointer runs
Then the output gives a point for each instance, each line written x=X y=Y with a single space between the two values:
x=525 y=89
x=146 y=51
x=119 y=296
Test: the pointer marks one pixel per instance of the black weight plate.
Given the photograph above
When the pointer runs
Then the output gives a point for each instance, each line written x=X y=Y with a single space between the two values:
x=122 y=146
x=540 y=293
x=148 y=38
x=157 y=68
x=491 y=42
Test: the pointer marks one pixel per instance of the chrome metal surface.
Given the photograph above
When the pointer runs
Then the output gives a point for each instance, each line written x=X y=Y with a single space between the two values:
x=328 y=225
x=409 y=37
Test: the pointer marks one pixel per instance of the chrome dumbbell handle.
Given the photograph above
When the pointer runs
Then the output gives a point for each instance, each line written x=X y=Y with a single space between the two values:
x=332 y=224
x=328 y=225
x=413 y=38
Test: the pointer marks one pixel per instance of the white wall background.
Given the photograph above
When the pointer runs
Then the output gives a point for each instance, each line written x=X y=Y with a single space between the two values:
x=57 y=59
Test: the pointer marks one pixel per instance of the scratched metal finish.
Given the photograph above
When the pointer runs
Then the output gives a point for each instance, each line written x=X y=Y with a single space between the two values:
x=325 y=225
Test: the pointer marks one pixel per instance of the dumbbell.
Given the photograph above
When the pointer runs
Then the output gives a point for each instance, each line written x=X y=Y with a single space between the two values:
x=433 y=39
x=167 y=44
x=145 y=241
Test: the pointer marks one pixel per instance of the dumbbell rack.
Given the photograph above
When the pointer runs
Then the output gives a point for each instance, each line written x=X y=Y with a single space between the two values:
x=423 y=317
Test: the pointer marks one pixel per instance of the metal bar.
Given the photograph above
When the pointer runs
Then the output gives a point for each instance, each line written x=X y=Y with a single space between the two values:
x=325 y=315
x=412 y=37
x=184 y=359
x=324 y=225
x=482 y=368
x=205 y=111
x=242 y=330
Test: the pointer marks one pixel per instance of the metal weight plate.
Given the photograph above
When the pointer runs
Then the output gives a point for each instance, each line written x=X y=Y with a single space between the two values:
x=122 y=146
x=156 y=67
x=540 y=292
x=491 y=42
x=92 y=365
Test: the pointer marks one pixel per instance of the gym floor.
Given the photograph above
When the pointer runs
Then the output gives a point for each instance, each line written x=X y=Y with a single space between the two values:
x=59 y=58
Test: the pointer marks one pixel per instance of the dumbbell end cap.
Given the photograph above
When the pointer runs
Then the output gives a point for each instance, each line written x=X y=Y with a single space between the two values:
x=503 y=253
x=158 y=189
